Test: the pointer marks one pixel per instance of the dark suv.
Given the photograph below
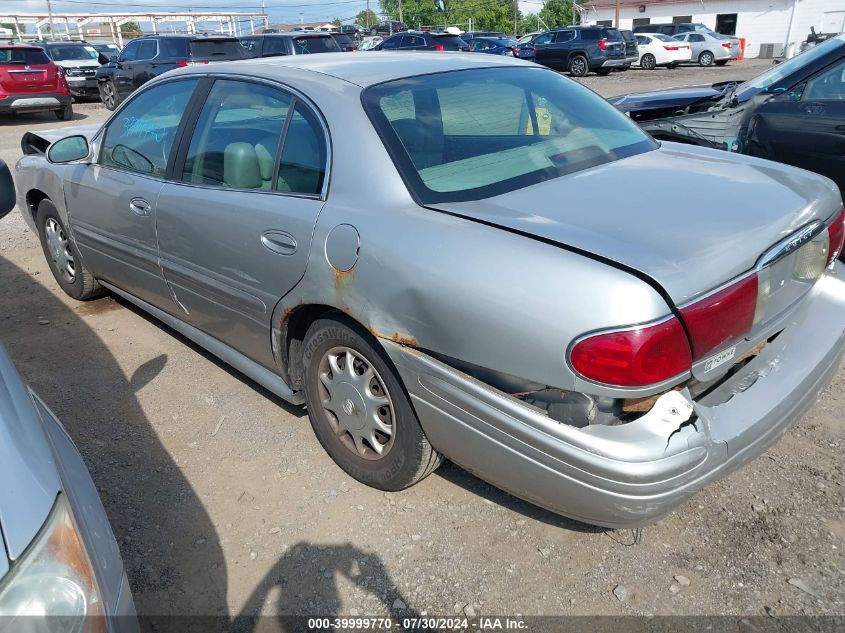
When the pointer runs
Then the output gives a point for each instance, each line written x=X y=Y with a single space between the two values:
x=581 y=49
x=295 y=43
x=150 y=56
x=388 y=28
x=80 y=62
x=419 y=41
x=632 y=53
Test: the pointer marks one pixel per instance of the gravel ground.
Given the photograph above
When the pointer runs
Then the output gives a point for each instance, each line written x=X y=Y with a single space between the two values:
x=223 y=502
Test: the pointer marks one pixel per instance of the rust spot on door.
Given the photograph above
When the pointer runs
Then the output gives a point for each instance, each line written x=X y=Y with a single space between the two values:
x=404 y=340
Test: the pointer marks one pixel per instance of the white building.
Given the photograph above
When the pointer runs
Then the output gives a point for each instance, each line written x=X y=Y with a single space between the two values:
x=771 y=28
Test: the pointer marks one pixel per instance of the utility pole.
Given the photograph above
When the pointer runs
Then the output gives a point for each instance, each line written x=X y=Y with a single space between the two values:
x=515 y=13
x=401 y=19
x=50 y=13
x=367 y=15
x=618 y=2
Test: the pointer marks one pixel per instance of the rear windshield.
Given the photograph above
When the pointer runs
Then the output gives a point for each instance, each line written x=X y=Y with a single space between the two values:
x=23 y=56
x=450 y=145
x=305 y=44
x=222 y=49
x=72 y=52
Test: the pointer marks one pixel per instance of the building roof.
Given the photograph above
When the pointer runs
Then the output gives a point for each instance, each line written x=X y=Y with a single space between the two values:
x=611 y=4
x=369 y=68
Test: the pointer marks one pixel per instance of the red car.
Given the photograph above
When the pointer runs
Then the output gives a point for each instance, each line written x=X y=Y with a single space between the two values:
x=31 y=82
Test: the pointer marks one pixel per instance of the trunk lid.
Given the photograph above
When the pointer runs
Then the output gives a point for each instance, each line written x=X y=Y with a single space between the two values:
x=27 y=71
x=689 y=218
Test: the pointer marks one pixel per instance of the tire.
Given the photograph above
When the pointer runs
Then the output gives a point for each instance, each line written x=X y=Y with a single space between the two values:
x=603 y=72
x=721 y=62
x=648 y=62
x=76 y=280
x=672 y=66
x=578 y=66
x=65 y=114
x=706 y=59
x=108 y=95
x=406 y=455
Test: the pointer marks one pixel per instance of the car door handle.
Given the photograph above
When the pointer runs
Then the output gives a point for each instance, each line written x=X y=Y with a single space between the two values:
x=139 y=206
x=279 y=242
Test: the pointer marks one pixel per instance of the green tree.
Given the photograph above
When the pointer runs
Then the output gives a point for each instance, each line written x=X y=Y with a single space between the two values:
x=558 y=13
x=130 y=28
x=337 y=22
x=486 y=15
x=361 y=19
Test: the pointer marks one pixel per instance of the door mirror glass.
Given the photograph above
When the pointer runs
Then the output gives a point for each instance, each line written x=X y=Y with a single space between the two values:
x=68 y=150
x=7 y=190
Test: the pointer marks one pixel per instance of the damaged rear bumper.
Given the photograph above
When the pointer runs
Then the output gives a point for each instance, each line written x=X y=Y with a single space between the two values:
x=632 y=474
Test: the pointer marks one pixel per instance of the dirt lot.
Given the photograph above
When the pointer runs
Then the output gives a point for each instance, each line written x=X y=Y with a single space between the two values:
x=223 y=501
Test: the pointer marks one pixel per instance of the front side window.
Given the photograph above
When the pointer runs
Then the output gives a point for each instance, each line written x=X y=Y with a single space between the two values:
x=130 y=53
x=545 y=38
x=237 y=136
x=451 y=146
x=829 y=85
x=393 y=42
x=148 y=50
x=139 y=139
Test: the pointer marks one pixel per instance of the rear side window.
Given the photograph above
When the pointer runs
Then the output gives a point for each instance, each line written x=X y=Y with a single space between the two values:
x=216 y=48
x=306 y=44
x=275 y=46
x=450 y=40
x=451 y=146
x=343 y=39
x=302 y=166
x=23 y=56
x=237 y=136
x=140 y=138
x=413 y=40
x=172 y=47
x=148 y=49
x=590 y=35
x=252 y=44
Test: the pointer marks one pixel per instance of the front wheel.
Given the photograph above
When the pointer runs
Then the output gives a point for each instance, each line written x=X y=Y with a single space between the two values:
x=648 y=62
x=359 y=409
x=705 y=59
x=108 y=95
x=65 y=264
x=578 y=66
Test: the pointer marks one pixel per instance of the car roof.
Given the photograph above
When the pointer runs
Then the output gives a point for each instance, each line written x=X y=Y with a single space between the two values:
x=20 y=45
x=362 y=70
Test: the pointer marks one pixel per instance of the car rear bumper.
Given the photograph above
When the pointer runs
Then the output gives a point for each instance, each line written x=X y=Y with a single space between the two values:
x=33 y=102
x=614 y=63
x=83 y=86
x=631 y=474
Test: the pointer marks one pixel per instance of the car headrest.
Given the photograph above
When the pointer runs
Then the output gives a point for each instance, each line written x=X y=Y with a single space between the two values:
x=241 y=168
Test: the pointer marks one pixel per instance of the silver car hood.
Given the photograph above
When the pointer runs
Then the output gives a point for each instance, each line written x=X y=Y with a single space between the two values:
x=690 y=218
x=27 y=466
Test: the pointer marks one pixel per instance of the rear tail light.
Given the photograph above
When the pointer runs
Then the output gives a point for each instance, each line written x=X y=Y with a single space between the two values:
x=603 y=44
x=634 y=357
x=439 y=47
x=183 y=64
x=726 y=44
x=835 y=237
x=671 y=48
x=515 y=51
x=723 y=316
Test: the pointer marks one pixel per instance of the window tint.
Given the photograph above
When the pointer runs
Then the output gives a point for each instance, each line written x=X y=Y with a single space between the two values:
x=695 y=37
x=828 y=85
x=390 y=43
x=275 y=46
x=545 y=38
x=237 y=135
x=174 y=47
x=307 y=44
x=148 y=49
x=590 y=34
x=130 y=53
x=252 y=44
x=72 y=52
x=449 y=40
x=564 y=36
x=23 y=56
x=413 y=41
x=140 y=138
x=642 y=40
x=455 y=148
x=302 y=167
x=217 y=49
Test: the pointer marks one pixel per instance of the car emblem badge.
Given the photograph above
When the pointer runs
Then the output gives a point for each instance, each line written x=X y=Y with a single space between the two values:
x=348 y=407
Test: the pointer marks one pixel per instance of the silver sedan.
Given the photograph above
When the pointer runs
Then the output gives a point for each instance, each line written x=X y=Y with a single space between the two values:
x=710 y=48
x=460 y=256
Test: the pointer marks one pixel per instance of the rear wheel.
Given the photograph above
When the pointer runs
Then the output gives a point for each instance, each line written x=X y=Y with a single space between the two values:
x=108 y=95
x=648 y=61
x=705 y=59
x=60 y=251
x=359 y=409
x=65 y=114
x=672 y=66
x=578 y=66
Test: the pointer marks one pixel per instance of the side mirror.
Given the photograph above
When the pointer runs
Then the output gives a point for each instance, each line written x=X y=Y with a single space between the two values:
x=7 y=190
x=68 y=150
x=103 y=59
x=113 y=59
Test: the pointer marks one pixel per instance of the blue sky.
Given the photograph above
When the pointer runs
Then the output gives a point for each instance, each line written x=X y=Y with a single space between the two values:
x=280 y=10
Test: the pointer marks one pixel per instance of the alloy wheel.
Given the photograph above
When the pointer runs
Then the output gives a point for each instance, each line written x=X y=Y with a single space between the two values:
x=356 y=403
x=59 y=248
x=578 y=67
x=648 y=62
x=108 y=94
